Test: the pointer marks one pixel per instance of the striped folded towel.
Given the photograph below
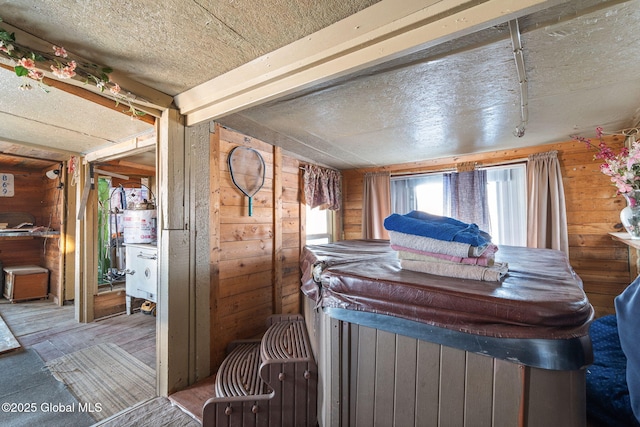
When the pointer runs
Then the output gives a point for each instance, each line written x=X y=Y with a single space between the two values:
x=486 y=260
x=495 y=273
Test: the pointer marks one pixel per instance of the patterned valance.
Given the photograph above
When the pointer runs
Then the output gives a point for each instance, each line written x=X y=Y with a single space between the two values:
x=322 y=187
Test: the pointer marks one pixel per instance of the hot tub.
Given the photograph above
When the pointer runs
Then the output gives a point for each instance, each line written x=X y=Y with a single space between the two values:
x=397 y=347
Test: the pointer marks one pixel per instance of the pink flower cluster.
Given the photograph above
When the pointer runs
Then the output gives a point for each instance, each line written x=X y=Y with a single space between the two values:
x=59 y=51
x=115 y=89
x=64 y=71
x=30 y=65
x=623 y=168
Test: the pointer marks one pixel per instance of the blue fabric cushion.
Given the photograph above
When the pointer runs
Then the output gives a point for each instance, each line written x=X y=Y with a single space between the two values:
x=608 y=400
x=628 y=312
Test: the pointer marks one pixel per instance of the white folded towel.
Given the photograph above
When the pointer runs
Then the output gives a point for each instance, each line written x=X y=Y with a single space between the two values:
x=427 y=244
x=495 y=273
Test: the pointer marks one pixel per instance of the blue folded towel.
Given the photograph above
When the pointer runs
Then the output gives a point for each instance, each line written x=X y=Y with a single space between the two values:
x=447 y=220
x=437 y=227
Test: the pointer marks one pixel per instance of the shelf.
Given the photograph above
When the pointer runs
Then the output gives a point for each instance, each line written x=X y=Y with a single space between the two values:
x=634 y=255
x=626 y=239
x=27 y=234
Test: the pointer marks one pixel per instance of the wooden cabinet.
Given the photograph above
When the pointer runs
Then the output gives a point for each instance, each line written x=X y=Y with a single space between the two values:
x=26 y=282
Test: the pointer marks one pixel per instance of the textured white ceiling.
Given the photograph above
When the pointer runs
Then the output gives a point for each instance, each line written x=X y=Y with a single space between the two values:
x=171 y=46
x=581 y=74
x=59 y=119
x=174 y=45
x=454 y=98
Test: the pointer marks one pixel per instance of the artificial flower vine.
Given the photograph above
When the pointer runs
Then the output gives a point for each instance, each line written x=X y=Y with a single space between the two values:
x=30 y=64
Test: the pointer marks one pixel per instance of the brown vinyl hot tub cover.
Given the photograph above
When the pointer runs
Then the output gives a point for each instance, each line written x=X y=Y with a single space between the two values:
x=540 y=297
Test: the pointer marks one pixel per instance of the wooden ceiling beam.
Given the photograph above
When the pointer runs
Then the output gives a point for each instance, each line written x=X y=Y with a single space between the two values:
x=142 y=97
x=126 y=148
x=143 y=169
x=131 y=169
x=89 y=96
x=385 y=31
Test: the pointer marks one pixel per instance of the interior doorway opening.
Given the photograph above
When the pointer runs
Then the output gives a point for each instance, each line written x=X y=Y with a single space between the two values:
x=125 y=215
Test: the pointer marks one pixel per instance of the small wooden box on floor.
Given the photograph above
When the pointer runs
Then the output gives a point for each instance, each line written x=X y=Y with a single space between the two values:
x=26 y=282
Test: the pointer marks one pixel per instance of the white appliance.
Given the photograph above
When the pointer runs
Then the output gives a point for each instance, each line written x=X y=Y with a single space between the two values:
x=142 y=272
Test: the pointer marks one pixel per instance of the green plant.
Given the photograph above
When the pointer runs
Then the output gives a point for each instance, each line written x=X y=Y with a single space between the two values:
x=104 y=237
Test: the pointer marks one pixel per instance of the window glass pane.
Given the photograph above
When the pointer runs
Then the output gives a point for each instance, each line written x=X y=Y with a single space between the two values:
x=506 y=193
x=422 y=193
x=319 y=226
x=317 y=221
x=430 y=195
x=320 y=241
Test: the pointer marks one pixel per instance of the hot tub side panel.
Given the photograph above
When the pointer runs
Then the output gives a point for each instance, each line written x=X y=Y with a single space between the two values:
x=370 y=377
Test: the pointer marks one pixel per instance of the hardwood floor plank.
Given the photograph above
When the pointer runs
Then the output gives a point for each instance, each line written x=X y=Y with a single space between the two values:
x=192 y=399
x=52 y=330
x=47 y=350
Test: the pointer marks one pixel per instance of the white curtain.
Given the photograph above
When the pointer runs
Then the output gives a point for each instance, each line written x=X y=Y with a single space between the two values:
x=507 y=191
x=546 y=210
x=376 y=205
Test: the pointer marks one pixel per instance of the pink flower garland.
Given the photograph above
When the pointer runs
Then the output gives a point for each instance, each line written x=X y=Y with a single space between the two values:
x=62 y=68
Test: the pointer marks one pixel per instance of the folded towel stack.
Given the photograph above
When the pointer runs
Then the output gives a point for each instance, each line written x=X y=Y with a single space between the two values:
x=443 y=246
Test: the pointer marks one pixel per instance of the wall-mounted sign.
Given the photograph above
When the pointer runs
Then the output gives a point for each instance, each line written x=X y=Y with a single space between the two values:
x=6 y=185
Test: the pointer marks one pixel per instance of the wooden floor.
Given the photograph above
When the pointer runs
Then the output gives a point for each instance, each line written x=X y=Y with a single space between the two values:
x=192 y=399
x=53 y=332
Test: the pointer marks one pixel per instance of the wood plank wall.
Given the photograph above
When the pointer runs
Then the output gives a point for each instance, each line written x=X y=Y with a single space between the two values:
x=28 y=195
x=37 y=195
x=593 y=210
x=254 y=259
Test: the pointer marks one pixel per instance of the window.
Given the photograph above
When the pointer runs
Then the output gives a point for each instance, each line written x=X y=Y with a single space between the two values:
x=319 y=226
x=506 y=194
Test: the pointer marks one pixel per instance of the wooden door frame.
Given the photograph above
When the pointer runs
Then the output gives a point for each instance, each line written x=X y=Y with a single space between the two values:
x=183 y=321
x=85 y=255
x=183 y=334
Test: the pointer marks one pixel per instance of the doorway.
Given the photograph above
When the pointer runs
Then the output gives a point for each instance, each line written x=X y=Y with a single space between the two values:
x=125 y=193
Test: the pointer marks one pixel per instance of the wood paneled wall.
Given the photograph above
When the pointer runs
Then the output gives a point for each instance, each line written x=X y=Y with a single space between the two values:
x=29 y=193
x=293 y=235
x=37 y=195
x=593 y=210
x=254 y=259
